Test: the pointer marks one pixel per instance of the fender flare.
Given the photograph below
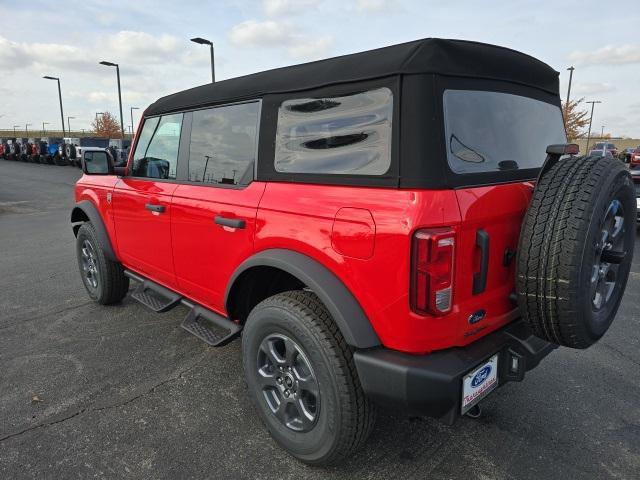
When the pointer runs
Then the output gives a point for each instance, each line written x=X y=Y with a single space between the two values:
x=91 y=212
x=342 y=305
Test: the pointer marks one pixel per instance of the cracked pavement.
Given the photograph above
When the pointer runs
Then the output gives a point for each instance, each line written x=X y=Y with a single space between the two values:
x=126 y=393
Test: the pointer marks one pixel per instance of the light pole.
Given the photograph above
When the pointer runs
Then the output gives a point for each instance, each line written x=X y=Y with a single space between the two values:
x=14 y=129
x=98 y=113
x=60 y=97
x=566 y=105
x=204 y=41
x=110 y=64
x=26 y=129
x=132 y=124
x=593 y=102
x=602 y=132
x=69 y=123
x=44 y=130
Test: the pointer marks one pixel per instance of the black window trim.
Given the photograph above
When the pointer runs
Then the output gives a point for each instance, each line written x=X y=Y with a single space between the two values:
x=266 y=166
x=479 y=179
x=186 y=180
x=182 y=168
x=180 y=140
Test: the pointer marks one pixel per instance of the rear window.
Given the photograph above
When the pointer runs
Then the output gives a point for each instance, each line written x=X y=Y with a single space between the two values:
x=492 y=131
x=349 y=134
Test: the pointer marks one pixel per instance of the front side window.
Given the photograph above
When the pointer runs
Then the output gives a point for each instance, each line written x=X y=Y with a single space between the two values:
x=156 y=154
x=492 y=131
x=350 y=134
x=223 y=144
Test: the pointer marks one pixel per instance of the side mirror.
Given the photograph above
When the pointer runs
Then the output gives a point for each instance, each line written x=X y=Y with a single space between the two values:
x=97 y=163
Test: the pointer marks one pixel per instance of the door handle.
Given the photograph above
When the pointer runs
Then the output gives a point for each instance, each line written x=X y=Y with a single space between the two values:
x=480 y=278
x=155 y=208
x=230 y=222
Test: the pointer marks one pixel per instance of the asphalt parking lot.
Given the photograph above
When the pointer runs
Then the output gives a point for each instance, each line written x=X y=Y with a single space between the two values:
x=110 y=392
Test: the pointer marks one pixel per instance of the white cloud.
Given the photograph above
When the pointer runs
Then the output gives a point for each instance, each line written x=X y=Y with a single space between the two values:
x=141 y=47
x=593 y=88
x=269 y=33
x=376 y=5
x=20 y=55
x=288 y=7
x=253 y=33
x=608 y=55
x=312 y=49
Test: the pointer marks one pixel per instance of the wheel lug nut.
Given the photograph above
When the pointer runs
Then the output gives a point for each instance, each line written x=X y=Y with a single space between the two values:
x=286 y=393
x=279 y=380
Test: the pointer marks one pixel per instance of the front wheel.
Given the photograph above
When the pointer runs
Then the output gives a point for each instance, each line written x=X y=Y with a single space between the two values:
x=103 y=279
x=302 y=379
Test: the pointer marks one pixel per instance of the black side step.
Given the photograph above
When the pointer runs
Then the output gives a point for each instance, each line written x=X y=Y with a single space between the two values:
x=154 y=296
x=208 y=326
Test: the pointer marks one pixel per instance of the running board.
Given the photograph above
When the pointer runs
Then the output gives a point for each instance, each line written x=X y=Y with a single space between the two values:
x=208 y=326
x=154 y=296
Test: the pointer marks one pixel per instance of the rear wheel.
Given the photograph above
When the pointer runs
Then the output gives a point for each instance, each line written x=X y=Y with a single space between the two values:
x=575 y=251
x=302 y=379
x=103 y=279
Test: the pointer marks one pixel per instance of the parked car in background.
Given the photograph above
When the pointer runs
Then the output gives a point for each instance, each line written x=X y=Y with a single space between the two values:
x=635 y=175
x=634 y=159
x=606 y=146
x=601 y=153
x=625 y=155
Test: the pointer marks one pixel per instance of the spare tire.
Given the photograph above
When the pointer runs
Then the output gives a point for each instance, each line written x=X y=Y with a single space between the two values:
x=575 y=250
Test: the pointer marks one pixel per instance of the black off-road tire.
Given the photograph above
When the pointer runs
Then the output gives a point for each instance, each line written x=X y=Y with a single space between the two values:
x=111 y=284
x=345 y=417
x=561 y=251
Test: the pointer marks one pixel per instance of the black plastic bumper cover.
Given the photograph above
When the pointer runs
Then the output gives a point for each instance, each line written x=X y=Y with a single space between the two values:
x=431 y=385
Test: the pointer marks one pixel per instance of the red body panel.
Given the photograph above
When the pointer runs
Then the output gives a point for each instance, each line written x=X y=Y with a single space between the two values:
x=363 y=235
x=206 y=254
x=144 y=237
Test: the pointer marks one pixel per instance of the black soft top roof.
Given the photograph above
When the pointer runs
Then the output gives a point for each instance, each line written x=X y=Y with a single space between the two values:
x=431 y=55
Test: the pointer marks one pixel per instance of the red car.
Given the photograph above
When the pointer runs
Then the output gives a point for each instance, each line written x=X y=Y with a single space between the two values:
x=609 y=147
x=404 y=227
x=634 y=159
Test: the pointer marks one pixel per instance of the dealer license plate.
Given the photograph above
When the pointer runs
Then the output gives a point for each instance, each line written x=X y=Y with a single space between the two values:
x=479 y=382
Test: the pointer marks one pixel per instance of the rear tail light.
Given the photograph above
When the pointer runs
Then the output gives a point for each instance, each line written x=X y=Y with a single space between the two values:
x=432 y=254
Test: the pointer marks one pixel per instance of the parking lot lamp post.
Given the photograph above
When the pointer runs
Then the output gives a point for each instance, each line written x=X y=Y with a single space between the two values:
x=593 y=102
x=44 y=130
x=204 y=41
x=14 y=129
x=566 y=105
x=602 y=132
x=110 y=64
x=60 y=97
x=132 y=124
x=69 y=123
x=26 y=129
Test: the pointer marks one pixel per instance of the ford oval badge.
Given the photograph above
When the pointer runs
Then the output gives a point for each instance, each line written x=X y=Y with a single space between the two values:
x=479 y=378
x=475 y=317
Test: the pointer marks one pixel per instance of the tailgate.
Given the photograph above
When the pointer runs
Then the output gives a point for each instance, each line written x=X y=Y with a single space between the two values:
x=491 y=218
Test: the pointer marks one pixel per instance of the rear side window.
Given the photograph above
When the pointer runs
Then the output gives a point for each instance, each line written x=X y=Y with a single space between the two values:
x=336 y=135
x=493 y=131
x=223 y=144
x=156 y=154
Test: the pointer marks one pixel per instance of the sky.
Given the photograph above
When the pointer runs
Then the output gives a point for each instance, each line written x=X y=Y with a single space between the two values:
x=150 y=41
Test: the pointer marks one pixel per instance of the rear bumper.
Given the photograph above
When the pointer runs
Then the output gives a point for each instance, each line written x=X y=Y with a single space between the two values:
x=431 y=385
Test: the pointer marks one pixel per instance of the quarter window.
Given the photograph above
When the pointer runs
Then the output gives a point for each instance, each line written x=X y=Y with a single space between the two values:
x=336 y=135
x=156 y=154
x=223 y=144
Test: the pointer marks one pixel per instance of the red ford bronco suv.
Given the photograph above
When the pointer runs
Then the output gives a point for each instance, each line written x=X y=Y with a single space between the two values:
x=404 y=227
